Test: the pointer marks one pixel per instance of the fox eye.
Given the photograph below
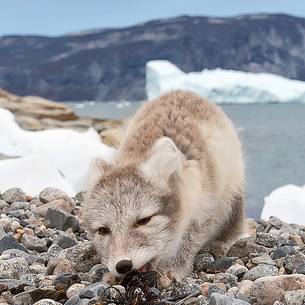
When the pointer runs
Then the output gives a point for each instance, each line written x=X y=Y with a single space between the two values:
x=103 y=231
x=143 y=221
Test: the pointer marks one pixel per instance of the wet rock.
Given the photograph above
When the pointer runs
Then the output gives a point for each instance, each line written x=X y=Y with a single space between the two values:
x=7 y=242
x=245 y=246
x=61 y=220
x=64 y=280
x=13 y=268
x=14 y=194
x=34 y=243
x=283 y=251
x=222 y=299
x=267 y=290
x=261 y=270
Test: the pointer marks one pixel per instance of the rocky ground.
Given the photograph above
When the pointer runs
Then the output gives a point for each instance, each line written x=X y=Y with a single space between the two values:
x=46 y=259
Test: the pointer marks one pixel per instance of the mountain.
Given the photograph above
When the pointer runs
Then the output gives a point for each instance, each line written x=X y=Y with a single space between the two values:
x=109 y=64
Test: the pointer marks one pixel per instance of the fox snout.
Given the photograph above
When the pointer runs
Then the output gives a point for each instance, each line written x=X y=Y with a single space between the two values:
x=123 y=266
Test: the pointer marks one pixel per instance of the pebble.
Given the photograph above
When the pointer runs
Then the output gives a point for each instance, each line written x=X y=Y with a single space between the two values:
x=295 y=297
x=222 y=299
x=74 y=290
x=96 y=289
x=66 y=241
x=267 y=290
x=237 y=270
x=13 y=268
x=202 y=261
x=14 y=194
x=260 y=271
x=283 y=251
x=266 y=239
x=47 y=302
x=50 y=194
x=222 y=264
x=262 y=259
x=228 y=279
x=64 y=280
x=294 y=262
x=7 y=242
x=34 y=243
x=61 y=220
x=62 y=204
x=64 y=266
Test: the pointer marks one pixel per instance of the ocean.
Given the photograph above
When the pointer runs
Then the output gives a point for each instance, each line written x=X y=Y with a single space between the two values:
x=273 y=137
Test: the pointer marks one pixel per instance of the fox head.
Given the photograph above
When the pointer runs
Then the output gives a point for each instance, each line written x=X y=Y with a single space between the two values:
x=131 y=213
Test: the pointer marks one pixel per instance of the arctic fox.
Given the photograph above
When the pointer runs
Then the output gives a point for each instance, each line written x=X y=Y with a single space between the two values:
x=176 y=184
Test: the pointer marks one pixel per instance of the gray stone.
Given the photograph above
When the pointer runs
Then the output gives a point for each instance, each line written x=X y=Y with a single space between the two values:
x=228 y=279
x=262 y=259
x=13 y=285
x=260 y=271
x=34 y=243
x=222 y=299
x=266 y=239
x=61 y=220
x=65 y=241
x=3 y=204
x=97 y=272
x=47 y=302
x=300 y=269
x=243 y=247
x=55 y=251
x=83 y=255
x=50 y=194
x=283 y=251
x=13 y=268
x=93 y=290
x=115 y=293
x=222 y=264
x=296 y=297
x=64 y=280
x=14 y=194
x=237 y=270
x=294 y=262
x=202 y=261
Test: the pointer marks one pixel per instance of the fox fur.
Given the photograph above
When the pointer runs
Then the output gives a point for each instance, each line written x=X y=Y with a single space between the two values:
x=180 y=166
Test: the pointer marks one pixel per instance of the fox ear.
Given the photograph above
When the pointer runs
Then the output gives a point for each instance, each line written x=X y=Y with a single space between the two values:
x=97 y=169
x=164 y=162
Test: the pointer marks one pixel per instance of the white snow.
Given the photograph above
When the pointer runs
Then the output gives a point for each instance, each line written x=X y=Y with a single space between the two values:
x=64 y=151
x=223 y=86
x=286 y=203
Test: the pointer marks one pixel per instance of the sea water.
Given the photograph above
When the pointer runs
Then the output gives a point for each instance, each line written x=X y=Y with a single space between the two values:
x=273 y=137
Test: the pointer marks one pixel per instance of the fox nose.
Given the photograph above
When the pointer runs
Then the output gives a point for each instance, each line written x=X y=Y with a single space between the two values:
x=123 y=266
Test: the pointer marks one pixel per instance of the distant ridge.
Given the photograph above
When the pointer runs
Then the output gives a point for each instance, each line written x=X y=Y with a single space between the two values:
x=109 y=64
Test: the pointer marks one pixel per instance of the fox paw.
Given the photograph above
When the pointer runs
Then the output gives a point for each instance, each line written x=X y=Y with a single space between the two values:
x=110 y=279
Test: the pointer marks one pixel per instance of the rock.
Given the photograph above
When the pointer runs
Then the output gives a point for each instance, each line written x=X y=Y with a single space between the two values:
x=261 y=270
x=13 y=268
x=62 y=204
x=13 y=285
x=266 y=239
x=97 y=272
x=295 y=297
x=61 y=220
x=94 y=290
x=8 y=242
x=237 y=270
x=47 y=302
x=243 y=247
x=244 y=287
x=202 y=261
x=83 y=256
x=74 y=289
x=38 y=268
x=3 y=204
x=276 y=222
x=294 y=262
x=228 y=279
x=222 y=299
x=14 y=194
x=50 y=194
x=208 y=288
x=64 y=280
x=267 y=290
x=66 y=241
x=262 y=259
x=300 y=269
x=222 y=264
x=34 y=243
x=115 y=293
x=282 y=251
x=64 y=266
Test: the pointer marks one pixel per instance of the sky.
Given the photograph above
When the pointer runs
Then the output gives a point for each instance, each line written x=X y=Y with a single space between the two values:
x=56 y=17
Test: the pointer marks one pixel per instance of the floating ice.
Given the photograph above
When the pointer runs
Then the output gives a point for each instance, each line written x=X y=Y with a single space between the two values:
x=223 y=86
x=67 y=151
x=286 y=203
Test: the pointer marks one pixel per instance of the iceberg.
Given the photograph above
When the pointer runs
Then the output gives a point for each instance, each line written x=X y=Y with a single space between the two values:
x=287 y=203
x=223 y=86
x=55 y=157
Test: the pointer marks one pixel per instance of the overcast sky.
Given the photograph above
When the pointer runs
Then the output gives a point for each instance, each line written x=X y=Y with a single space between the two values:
x=55 y=17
